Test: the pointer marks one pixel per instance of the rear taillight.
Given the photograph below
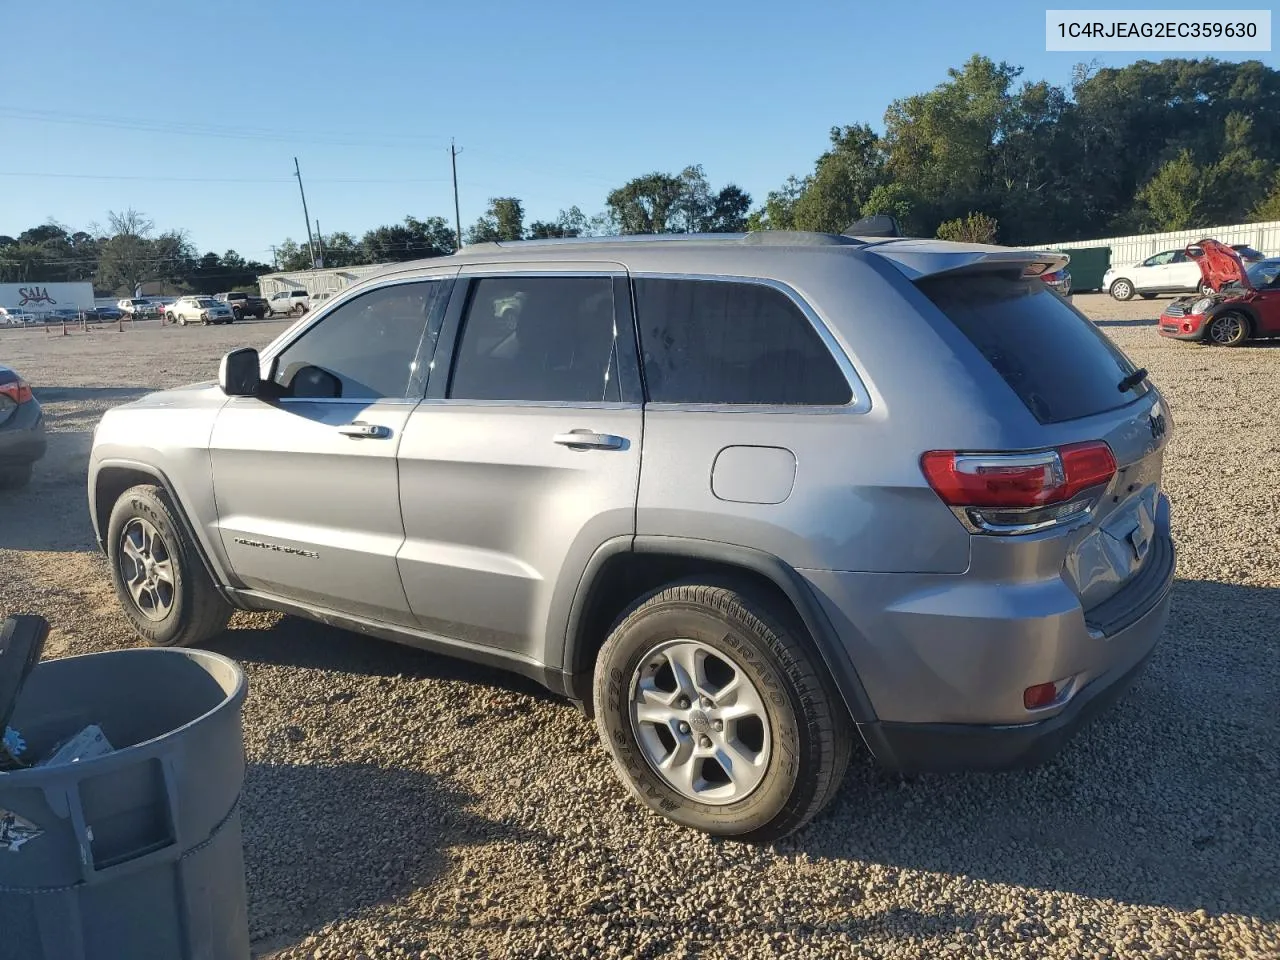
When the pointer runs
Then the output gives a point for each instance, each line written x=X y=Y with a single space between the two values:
x=16 y=390
x=1019 y=492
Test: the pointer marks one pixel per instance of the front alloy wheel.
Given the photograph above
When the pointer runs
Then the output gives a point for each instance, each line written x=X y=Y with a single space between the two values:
x=1229 y=330
x=1122 y=290
x=146 y=567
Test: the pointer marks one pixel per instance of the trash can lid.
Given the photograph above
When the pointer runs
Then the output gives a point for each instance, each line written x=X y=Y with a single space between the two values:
x=21 y=643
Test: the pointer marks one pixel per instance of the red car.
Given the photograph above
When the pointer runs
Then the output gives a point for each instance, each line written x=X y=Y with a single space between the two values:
x=1245 y=302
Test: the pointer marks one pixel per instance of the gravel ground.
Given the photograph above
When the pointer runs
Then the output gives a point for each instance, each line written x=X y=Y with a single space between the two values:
x=404 y=805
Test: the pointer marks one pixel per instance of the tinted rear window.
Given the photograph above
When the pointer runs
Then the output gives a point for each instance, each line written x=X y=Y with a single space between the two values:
x=1054 y=358
x=719 y=341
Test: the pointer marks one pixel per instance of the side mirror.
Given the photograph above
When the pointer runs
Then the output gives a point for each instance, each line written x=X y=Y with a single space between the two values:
x=239 y=374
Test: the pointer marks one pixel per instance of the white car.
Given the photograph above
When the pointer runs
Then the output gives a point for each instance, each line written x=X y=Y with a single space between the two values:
x=293 y=302
x=205 y=310
x=137 y=308
x=1170 y=271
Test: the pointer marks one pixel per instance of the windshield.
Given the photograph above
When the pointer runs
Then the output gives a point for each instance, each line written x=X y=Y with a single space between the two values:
x=1263 y=273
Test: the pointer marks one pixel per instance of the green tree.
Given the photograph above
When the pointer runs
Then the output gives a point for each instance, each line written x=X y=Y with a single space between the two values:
x=504 y=220
x=413 y=240
x=1267 y=209
x=779 y=210
x=842 y=181
x=974 y=228
x=647 y=204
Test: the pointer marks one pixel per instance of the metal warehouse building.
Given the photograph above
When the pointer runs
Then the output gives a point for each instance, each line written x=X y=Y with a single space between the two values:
x=330 y=280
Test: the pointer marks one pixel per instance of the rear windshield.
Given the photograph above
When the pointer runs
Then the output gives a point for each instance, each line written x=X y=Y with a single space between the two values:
x=1059 y=364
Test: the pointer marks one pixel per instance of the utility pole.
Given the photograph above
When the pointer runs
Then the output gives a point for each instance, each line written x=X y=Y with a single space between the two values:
x=306 y=217
x=275 y=260
x=320 y=242
x=457 y=216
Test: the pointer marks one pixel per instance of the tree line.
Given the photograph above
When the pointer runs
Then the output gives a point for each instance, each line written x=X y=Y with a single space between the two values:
x=985 y=155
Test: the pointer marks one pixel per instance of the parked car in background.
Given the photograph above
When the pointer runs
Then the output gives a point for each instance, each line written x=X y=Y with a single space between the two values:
x=17 y=318
x=63 y=315
x=139 y=308
x=104 y=314
x=1059 y=281
x=958 y=576
x=1170 y=271
x=1247 y=253
x=243 y=304
x=203 y=310
x=1243 y=303
x=22 y=440
x=292 y=302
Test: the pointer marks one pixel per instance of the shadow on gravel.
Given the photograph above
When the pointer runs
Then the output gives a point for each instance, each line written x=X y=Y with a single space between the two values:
x=1127 y=323
x=112 y=395
x=51 y=512
x=1168 y=799
x=296 y=642
x=325 y=842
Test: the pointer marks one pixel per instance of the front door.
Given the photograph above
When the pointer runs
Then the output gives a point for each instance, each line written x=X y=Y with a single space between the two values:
x=305 y=476
x=526 y=459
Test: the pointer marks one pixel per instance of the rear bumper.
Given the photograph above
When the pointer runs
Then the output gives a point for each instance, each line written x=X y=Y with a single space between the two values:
x=945 y=660
x=22 y=437
x=953 y=747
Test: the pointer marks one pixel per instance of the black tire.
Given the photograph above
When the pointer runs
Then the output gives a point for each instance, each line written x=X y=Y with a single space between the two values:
x=298 y=310
x=1229 y=329
x=1121 y=289
x=13 y=478
x=197 y=610
x=811 y=732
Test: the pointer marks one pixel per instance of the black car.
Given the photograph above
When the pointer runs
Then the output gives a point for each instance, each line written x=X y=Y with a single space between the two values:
x=22 y=440
x=103 y=314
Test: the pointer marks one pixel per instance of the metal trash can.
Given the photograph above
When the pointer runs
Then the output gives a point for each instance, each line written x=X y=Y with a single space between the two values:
x=136 y=854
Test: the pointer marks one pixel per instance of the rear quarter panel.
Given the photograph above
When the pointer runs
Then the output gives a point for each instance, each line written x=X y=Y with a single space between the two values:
x=859 y=500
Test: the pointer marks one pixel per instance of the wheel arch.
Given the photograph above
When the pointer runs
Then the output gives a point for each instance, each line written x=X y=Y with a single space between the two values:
x=625 y=568
x=1245 y=309
x=113 y=477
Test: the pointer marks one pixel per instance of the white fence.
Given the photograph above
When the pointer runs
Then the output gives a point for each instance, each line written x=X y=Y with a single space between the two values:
x=1126 y=250
x=329 y=280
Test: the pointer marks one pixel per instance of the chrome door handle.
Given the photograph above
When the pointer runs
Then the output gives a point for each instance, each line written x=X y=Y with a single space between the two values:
x=587 y=440
x=365 y=431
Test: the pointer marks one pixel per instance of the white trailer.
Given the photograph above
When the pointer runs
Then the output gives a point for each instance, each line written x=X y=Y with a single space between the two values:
x=39 y=298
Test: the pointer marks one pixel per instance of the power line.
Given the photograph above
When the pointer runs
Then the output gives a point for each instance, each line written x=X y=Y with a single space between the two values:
x=204 y=130
x=104 y=176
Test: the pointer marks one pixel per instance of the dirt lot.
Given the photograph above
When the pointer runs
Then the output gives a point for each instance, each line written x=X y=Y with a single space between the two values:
x=404 y=805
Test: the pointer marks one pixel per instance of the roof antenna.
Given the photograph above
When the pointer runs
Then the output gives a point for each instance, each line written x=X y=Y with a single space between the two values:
x=878 y=225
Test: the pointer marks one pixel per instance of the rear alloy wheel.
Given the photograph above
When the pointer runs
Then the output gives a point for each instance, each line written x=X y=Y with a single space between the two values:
x=717 y=713
x=298 y=310
x=1229 y=329
x=160 y=581
x=1122 y=290
x=1206 y=290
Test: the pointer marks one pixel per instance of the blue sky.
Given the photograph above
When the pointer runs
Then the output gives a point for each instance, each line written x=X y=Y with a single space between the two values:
x=553 y=102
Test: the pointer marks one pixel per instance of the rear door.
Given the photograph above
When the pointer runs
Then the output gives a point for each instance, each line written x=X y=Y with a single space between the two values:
x=525 y=456
x=1183 y=273
x=306 y=482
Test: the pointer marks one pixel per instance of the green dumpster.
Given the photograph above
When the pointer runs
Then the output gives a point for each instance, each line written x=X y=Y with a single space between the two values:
x=1087 y=266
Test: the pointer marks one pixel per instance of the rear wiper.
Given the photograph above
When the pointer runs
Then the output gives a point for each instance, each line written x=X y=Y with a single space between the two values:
x=1132 y=380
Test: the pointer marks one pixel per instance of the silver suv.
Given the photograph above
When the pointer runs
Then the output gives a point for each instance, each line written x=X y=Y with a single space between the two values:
x=751 y=500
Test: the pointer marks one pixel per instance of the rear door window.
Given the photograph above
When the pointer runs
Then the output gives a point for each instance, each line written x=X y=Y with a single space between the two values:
x=730 y=342
x=1059 y=364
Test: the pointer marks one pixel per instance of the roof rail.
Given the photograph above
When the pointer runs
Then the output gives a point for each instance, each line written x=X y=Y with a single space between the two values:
x=777 y=238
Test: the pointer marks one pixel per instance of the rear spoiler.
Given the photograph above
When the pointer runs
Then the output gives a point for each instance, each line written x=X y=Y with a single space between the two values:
x=931 y=258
